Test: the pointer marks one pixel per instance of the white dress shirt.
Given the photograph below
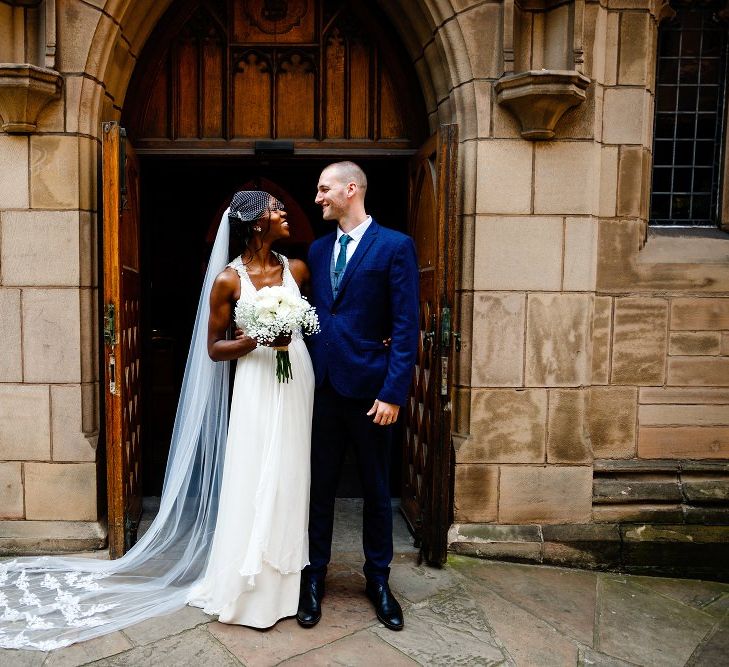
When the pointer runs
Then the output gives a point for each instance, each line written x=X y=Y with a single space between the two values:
x=355 y=237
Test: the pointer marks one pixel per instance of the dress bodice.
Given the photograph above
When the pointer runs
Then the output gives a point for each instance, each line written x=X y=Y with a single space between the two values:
x=248 y=289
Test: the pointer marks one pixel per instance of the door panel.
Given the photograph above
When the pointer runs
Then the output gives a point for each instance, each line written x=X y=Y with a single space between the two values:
x=426 y=501
x=122 y=340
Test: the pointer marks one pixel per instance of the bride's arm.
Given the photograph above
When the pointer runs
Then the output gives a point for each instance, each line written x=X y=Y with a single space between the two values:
x=301 y=275
x=221 y=312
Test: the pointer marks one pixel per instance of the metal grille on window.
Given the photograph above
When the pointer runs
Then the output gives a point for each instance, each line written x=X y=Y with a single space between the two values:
x=689 y=118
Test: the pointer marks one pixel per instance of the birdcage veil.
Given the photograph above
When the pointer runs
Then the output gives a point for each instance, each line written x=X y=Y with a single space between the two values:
x=51 y=601
x=250 y=205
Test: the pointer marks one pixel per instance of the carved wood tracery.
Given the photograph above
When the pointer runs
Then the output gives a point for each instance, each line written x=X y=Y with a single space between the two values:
x=308 y=70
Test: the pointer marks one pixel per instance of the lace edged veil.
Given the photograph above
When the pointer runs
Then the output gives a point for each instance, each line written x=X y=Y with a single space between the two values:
x=49 y=602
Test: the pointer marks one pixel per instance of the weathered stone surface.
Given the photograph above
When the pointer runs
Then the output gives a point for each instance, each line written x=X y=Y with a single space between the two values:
x=589 y=658
x=518 y=253
x=24 y=422
x=558 y=327
x=345 y=610
x=54 y=172
x=623 y=116
x=608 y=181
x=506 y=426
x=630 y=181
x=562 y=598
x=14 y=168
x=683 y=415
x=51 y=335
x=358 y=649
x=159 y=627
x=580 y=254
x=498 y=339
x=725 y=343
x=611 y=421
x=70 y=443
x=45 y=483
x=519 y=552
x=504 y=182
x=463 y=357
x=714 y=650
x=417 y=582
x=194 y=647
x=26 y=238
x=704 y=515
x=31 y=538
x=688 y=343
x=643 y=513
x=635 y=37
x=476 y=493
x=565 y=177
x=567 y=438
x=707 y=442
x=11 y=358
x=639 y=341
x=449 y=629
x=545 y=494
x=497 y=533
x=696 y=594
x=89 y=651
x=591 y=546
x=705 y=488
x=620 y=268
x=696 y=314
x=698 y=371
x=485 y=63
x=11 y=490
x=528 y=639
x=646 y=628
x=636 y=488
x=602 y=314
x=77 y=27
x=681 y=396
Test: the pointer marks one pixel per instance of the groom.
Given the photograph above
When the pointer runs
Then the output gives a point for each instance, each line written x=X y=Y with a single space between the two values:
x=364 y=284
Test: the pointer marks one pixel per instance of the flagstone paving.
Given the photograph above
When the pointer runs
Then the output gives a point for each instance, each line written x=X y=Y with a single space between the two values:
x=471 y=612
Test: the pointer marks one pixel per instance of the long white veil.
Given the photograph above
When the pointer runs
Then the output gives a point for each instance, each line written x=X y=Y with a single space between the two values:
x=51 y=601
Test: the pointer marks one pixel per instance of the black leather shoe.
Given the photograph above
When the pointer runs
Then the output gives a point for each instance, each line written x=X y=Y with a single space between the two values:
x=310 y=595
x=388 y=609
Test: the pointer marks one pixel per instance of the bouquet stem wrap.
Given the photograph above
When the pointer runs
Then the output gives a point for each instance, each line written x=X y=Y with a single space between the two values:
x=283 y=364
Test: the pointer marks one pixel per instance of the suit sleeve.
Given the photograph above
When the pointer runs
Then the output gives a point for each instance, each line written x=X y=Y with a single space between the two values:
x=405 y=315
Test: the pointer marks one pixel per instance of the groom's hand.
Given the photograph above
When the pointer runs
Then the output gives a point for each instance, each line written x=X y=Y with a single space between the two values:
x=385 y=413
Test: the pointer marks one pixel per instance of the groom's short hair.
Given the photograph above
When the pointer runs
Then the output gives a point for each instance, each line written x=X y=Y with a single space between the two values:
x=350 y=172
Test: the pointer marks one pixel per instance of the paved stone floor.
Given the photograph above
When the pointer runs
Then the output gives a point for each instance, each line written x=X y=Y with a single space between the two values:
x=472 y=612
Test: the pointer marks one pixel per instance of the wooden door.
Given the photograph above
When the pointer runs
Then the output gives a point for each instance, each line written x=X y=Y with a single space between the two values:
x=427 y=446
x=122 y=341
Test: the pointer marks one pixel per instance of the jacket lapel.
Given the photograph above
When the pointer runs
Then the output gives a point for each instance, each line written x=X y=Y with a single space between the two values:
x=359 y=252
x=326 y=267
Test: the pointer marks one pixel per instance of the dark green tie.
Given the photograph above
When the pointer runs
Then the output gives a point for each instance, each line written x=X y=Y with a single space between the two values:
x=341 y=259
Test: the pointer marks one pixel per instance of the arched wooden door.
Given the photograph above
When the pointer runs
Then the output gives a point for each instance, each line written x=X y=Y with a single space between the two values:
x=426 y=500
x=320 y=79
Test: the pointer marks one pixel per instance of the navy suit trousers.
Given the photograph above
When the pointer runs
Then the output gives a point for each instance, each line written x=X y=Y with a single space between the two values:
x=338 y=422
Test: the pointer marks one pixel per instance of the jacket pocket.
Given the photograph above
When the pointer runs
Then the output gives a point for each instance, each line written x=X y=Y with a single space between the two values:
x=376 y=345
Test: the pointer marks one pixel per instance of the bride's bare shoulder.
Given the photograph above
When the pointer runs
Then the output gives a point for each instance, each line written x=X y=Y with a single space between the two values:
x=227 y=281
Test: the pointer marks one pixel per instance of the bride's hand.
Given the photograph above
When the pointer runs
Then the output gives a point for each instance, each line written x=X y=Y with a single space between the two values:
x=279 y=341
x=240 y=336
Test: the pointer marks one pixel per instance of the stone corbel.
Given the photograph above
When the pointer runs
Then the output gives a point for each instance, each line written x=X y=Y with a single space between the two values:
x=24 y=91
x=539 y=98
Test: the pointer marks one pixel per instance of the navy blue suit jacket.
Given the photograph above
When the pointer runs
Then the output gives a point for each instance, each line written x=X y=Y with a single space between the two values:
x=377 y=299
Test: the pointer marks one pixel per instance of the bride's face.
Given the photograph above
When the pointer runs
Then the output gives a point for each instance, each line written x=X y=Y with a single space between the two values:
x=275 y=227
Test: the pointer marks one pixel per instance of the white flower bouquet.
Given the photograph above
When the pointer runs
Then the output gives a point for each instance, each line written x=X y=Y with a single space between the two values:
x=274 y=312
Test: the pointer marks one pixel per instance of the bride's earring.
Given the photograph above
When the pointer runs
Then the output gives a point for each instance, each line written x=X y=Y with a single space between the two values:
x=256 y=229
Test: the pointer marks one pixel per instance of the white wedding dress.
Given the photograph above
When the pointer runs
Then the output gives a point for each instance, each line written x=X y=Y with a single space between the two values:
x=260 y=543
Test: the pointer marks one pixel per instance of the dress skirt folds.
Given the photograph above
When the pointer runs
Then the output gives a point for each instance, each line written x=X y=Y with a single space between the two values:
x=260 y=544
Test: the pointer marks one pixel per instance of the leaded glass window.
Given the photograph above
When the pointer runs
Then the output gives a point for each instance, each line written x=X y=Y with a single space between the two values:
x=688 y=134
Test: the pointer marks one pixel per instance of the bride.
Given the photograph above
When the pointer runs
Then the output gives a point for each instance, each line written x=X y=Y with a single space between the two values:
x=230 y=535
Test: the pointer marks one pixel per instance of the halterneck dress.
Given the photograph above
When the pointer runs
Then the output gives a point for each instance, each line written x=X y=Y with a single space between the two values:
x=260 y=544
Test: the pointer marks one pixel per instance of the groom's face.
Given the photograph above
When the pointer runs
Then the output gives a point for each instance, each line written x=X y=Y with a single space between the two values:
x=331 y=195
